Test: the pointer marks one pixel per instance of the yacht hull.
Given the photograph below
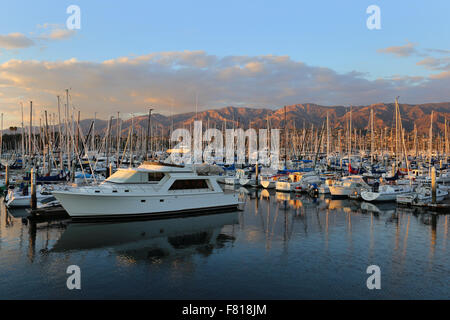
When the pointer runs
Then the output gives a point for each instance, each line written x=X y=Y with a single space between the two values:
x=285 y=186
x=268 y=184
x=339 y=191
x=377 y=196
x=245 y=182
x=231 y=181
x=19 y=201
x=85 y=206
x=324 y=190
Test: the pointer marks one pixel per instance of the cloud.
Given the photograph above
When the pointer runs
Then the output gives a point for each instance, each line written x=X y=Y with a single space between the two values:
x=15 y=41
x=440 y=51
x=432 y=63
x=442 y=75
x=59 y=34
x=173 y=79
x=400 y=51
x=56 y=32
x=18 y=40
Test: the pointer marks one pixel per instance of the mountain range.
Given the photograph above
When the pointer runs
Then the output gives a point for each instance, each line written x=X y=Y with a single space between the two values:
x=297 y=115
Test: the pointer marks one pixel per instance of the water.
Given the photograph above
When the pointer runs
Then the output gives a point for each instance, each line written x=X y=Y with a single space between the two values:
x=280 y=247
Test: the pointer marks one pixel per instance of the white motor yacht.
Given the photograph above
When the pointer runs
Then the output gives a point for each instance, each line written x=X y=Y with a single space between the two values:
x=348 y=186
x=385 y=192
x=307 y=179
x=421 y=195
x=286 y=184
x=268 y=182
x=19 y=198
x=297 y=181
x=324 y=187
x=152 y=189
x=248 y=181
x=234 y=179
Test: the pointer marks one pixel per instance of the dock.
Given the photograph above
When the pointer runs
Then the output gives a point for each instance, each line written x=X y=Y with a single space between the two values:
x=46 y=214
x=439 y=207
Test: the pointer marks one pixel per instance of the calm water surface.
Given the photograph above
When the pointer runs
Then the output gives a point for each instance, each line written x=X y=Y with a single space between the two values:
x=282 y=246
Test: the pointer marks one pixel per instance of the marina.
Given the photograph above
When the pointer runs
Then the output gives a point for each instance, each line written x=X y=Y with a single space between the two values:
x=102 y=175
x=224 y=155
x=144 y=217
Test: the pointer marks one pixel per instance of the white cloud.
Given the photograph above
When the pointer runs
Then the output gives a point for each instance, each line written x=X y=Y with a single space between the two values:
x=435 y=63
x=55 y=32
x=400 y=51
x=131 y=84
x=15 y=41
x=60 y=34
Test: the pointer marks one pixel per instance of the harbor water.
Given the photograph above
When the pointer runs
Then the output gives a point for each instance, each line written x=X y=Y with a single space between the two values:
x=280 y=246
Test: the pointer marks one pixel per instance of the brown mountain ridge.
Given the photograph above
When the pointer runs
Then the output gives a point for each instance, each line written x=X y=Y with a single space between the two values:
x=297 y=115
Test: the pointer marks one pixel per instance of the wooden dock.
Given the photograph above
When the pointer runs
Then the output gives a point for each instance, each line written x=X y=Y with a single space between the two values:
x=439 y=207
x=46 y=214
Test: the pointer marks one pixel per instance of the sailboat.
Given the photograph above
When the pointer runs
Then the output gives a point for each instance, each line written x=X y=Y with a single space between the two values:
x=422 y=195
x=389 y=192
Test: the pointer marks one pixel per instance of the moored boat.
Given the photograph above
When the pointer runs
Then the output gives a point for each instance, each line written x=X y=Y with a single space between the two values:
x=385 y=192
x=152 y=189
x=348 y=186
x=421 y=195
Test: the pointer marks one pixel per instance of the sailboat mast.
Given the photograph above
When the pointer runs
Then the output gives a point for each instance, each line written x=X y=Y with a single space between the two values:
x=149 y=124
x=1 y=139
x=396 y=134
x=430 y=150
x=328 y=137
x=23 y=137
x=445 y=140
x=371 y=136
x=285 y=138
x=118 y=140
x=31 y=128
x=350 y=135
x=61 y=166
x=69 y=155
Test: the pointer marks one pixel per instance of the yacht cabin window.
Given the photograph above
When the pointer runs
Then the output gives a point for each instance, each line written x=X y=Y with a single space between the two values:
x=189 y=184
x=155 y=176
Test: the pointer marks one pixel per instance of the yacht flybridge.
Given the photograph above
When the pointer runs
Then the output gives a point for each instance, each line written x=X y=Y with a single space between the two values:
x=152 y=189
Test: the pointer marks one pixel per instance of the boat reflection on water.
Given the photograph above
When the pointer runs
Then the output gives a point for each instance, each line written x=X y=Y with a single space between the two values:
x=283 y=196
x=291 y=201
x=379 y=208
x=152 y=238
x=17 y=212
x=265 y=194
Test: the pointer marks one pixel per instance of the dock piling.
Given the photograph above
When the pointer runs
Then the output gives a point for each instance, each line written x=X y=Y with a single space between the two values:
x=72 y=173
x=6 y=177
x=257 y=173
x=33 y=203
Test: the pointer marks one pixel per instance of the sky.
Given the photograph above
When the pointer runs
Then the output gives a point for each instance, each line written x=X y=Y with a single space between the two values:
x=171 y=55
